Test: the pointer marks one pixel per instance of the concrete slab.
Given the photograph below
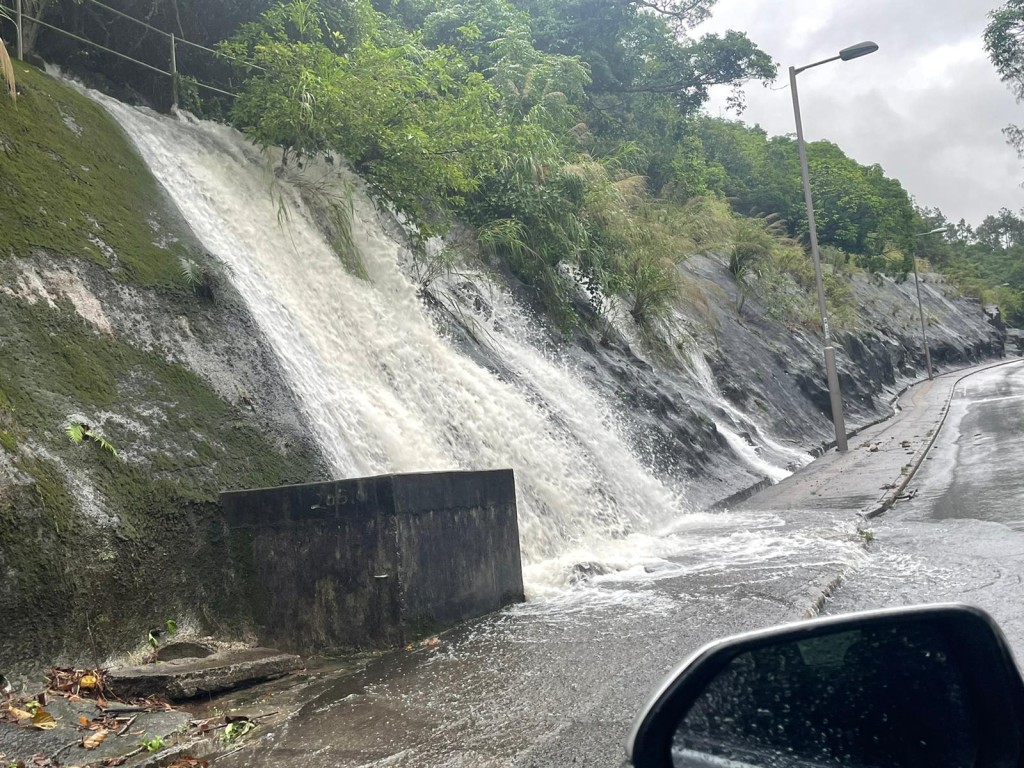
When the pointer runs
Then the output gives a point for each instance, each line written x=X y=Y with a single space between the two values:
x=188 y=678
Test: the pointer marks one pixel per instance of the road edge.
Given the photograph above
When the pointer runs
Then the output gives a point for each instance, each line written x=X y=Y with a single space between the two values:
x=890 y=499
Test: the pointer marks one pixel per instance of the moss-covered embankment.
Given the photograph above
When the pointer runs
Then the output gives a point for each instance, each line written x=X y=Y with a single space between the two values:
x=99 y=327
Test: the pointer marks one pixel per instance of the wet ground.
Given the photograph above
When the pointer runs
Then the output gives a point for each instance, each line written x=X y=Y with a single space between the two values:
x=961 y=538
x=558 y=680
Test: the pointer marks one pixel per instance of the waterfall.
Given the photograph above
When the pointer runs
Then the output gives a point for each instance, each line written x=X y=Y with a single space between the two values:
x=767 y=455
x=384 y=391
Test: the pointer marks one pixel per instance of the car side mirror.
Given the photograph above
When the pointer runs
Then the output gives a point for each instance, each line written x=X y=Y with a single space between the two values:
x=906 y=688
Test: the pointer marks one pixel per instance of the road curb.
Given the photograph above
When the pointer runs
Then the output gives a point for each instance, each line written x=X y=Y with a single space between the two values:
x=819 y=450
x=886 y=504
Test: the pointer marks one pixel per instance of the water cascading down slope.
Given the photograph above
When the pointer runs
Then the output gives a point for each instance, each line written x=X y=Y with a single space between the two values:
x=383 y=390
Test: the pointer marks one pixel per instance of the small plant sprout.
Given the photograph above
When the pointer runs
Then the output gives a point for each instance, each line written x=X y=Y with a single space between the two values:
x=169 y=628
x=155 y=744
x=236 y=729
x=78 y=432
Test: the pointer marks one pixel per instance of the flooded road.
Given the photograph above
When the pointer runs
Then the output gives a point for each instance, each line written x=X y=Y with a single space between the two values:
x=961 y=538
x=557 y=681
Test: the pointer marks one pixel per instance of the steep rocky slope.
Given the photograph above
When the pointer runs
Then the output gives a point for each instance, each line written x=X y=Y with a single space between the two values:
x=99 y=328
x=114 y=323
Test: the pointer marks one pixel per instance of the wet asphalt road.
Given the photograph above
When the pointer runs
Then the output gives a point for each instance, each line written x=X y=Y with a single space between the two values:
x=557 y=681
x=961 y=538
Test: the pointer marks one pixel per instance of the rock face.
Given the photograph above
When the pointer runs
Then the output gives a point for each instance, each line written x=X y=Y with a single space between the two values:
x=173 y=396
x=135 y=387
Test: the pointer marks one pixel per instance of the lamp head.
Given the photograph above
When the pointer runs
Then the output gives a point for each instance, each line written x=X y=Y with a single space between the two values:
x=858 y=50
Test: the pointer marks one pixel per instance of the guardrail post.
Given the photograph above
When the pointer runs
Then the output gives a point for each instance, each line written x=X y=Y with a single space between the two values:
x=174 y=76
x=17 y=21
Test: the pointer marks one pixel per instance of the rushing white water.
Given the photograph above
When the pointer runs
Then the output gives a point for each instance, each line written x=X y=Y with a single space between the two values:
x=752 y=455
x=385 y=392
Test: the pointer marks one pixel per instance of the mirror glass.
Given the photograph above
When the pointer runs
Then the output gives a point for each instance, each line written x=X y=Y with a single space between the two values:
x=877 y=697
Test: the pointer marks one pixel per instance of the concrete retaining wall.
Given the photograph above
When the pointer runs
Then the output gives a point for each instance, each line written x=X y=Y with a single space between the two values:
x=375 y=561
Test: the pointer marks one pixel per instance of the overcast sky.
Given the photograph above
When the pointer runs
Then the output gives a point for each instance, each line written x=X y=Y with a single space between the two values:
x=928 y=106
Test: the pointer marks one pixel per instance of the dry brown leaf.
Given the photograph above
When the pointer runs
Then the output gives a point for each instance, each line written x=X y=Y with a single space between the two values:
x=87 y=681
x=114 y=761
x=97 y=738
x=83 y=720
x=43 y=720
x=19 y=714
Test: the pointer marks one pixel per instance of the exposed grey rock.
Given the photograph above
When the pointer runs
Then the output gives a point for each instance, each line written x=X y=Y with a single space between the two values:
x=184 y=649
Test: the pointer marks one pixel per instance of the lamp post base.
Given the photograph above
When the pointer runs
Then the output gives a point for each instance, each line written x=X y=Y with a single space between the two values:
x=836 y=398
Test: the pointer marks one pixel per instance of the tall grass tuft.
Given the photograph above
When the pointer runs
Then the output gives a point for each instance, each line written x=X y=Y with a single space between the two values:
x=7 y=70
x=6 y=65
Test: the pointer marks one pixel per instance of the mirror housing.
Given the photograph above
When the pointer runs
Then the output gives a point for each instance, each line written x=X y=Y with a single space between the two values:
x=941 y=674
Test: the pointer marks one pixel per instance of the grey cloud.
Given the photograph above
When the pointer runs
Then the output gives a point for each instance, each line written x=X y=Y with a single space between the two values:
x=931 y=121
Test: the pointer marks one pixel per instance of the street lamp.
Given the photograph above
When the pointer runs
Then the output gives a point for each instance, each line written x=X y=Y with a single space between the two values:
x=920 y=309
x=853 y=52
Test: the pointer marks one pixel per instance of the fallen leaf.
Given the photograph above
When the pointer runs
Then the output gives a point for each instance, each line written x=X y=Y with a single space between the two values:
x=114 y=761
x=43 y=720
x=87 y=681
x=189 y=762
x=19 y=714
x=91 y=742
x=236 y=729
x=431 y=642
x=83 y=720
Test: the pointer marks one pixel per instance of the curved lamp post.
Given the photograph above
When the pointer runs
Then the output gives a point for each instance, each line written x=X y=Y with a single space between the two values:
x=920 y=309
x=853 y=52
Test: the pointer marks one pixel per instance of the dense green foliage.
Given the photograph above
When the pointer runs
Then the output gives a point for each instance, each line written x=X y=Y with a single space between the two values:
x=859 y=210
x=463 y=111
x=987 y=262
x=568 y=134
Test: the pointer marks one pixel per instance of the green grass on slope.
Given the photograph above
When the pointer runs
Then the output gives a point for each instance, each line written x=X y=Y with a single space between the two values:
x=106 y=202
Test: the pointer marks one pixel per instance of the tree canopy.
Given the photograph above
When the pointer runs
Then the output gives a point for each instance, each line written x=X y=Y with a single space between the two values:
x=567 y=133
